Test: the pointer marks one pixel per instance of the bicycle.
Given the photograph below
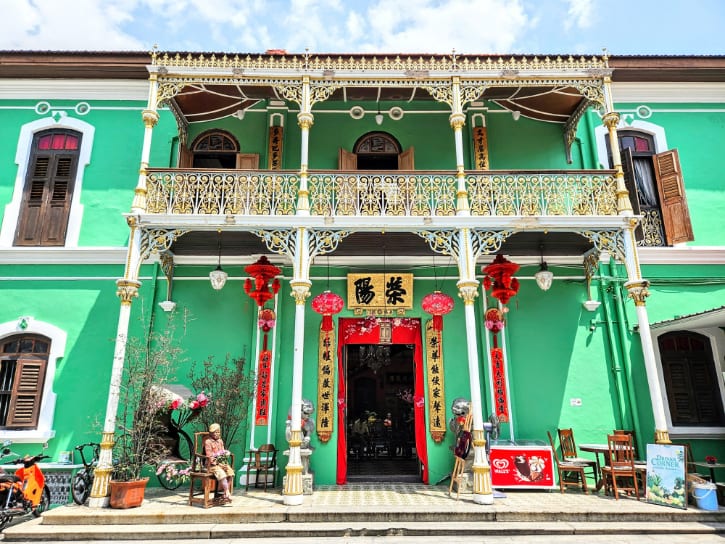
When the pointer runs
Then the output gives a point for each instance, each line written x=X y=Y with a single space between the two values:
x=83 y=479
x=173 y=471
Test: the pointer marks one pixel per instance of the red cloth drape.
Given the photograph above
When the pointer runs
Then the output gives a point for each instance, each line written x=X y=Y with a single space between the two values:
x=366 y=331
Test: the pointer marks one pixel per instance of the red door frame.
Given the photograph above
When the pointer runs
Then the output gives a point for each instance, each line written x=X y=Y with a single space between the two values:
x=367 y=331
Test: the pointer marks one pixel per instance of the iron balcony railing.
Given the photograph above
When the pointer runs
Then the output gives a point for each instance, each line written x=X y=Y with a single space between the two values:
x=365 y=194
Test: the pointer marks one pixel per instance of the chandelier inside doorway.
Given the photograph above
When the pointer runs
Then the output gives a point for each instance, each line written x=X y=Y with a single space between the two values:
x=375 y=356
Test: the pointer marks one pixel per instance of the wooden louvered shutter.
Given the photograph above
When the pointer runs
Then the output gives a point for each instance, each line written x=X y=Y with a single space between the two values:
x=630 y=183
x=38 y=181
x=683 y=410
x=55 y=222
x=406 y=159
x=346 y=160
x=186 y=157
x=247 y=161
x=48 y=190
x=27 y=389
x=671 y=188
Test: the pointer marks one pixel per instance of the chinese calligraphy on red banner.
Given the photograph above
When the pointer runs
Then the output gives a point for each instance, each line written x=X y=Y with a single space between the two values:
x=263 y=370
x=498 y=374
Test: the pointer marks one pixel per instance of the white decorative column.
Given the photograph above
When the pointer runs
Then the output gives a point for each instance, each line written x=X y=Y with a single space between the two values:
x=300 y=283
x=457 y=119
x=636 y=285
x=127 y=291
x=150 y=118
x=468 y=291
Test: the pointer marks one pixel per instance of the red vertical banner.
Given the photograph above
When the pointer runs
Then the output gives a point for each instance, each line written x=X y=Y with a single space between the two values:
x=263 y=370
x=498 y=374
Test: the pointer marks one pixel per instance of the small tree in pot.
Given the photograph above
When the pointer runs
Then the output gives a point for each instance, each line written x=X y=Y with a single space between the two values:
x=147 y=369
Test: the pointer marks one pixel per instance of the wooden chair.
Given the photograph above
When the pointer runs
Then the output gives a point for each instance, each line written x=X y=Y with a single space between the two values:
x=209 y=492
x=567 y=469
x=263 y=461
x=569 y=452
x=621 y=465
x=639 y=465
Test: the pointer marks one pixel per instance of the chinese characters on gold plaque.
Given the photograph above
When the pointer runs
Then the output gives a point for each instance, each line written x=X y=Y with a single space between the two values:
x=480 y=148
x=275 y=148
x=436 y=392
x=380 y=294
x=325 y=382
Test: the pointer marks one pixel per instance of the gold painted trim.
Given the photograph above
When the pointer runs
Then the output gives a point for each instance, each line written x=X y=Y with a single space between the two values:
x=436 y=383
x=325 y=384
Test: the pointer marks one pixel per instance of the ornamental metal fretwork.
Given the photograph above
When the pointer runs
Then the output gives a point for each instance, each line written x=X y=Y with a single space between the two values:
x=319 y=242
x=512 y=194
x=158 y=241
x=210 y=193
x=611 y=241
x=448 y=242
x=368 y=195
x=652 y=228
x=376 y=195
x=443 y=63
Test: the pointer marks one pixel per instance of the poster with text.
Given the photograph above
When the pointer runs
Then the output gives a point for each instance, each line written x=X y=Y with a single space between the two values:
x=666 y=479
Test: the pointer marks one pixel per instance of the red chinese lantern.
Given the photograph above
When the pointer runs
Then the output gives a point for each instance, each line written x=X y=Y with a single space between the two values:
x=326 y=304
x=262 y=271
x=438 y=304
x=266 y=319
x=499 y=279
x=494 y=323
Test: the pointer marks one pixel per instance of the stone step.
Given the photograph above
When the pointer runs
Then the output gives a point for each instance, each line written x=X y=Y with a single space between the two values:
x=36 y=531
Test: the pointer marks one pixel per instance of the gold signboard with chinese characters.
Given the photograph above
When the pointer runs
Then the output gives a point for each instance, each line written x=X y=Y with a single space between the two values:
x=480 y=148
x=275 y=148
x=436 y=389
x=325 y=383
x=380 y=294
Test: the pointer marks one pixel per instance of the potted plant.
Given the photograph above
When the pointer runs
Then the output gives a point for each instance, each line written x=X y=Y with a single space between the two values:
x=147 y=368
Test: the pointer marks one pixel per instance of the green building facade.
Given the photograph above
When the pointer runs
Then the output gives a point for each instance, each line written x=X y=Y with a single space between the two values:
x=349 y=174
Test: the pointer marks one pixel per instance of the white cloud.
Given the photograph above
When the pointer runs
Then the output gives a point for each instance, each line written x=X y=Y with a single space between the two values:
x=579 y=14
x=427 y=26
x=64 y=25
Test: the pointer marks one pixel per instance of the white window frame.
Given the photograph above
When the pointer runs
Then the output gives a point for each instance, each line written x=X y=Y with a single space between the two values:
x=602 y=137
x=22 y=156
x=58 y=338
x=717 y=345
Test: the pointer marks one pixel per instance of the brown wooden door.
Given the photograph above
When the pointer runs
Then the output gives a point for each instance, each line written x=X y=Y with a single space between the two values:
x=247 y=161
x=48 y=189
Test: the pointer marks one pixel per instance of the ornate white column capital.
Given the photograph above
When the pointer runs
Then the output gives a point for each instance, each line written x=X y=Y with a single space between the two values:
x=638 y=291
x=467 y=290
x=300 y=290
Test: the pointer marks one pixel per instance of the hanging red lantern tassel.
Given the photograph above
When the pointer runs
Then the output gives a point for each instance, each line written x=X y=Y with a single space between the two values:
x=327 y=303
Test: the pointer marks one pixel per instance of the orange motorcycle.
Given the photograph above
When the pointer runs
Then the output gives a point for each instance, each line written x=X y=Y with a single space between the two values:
x=23 y=493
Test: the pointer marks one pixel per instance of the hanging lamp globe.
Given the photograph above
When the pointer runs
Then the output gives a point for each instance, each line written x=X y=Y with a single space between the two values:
x=327 y=304
x=218 y=278
x=437 y=304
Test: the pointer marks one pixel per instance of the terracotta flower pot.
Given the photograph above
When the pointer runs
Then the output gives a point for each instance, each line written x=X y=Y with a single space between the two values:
x=127 y=494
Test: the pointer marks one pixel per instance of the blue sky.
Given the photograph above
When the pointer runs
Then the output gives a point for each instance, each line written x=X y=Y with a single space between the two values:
x=644 y=27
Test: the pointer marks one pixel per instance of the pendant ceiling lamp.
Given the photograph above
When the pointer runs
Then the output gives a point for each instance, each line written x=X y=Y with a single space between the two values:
x=544 y=276
x=379 y=116
x=217 y=276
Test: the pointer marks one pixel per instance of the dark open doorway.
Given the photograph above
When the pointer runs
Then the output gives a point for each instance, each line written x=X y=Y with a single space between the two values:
x=380 y=417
